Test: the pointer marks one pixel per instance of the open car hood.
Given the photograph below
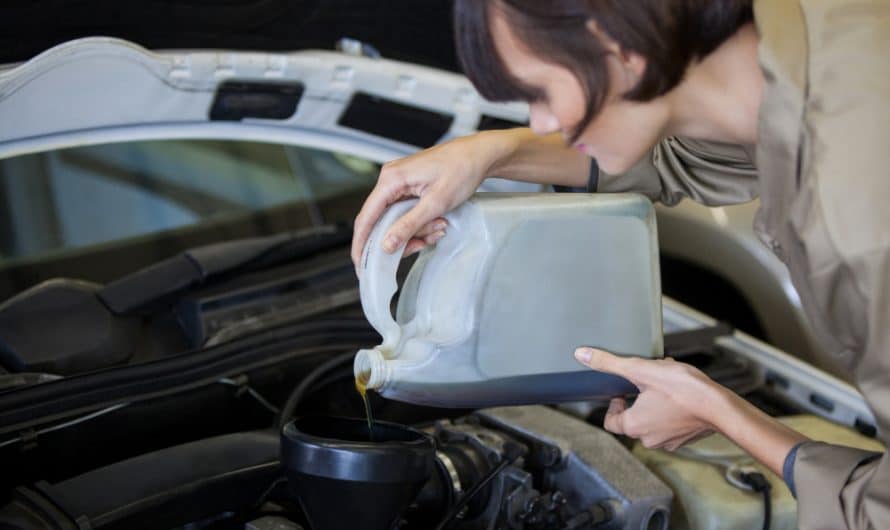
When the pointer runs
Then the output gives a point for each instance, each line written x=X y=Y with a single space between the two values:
x=100 y=90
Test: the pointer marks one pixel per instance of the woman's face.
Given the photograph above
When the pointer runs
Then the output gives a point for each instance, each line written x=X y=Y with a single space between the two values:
x=621 y=133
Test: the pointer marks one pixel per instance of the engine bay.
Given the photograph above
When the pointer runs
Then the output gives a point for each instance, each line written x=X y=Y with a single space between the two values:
x=557 y=472
x=187 y=432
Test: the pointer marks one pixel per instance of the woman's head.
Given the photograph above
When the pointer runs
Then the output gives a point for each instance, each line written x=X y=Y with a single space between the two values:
x=592 y=69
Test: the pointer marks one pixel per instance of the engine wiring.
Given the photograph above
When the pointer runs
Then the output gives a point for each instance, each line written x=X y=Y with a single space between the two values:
x=241 y=383
x=107 y=410
x=290 y=405
x=66 y=424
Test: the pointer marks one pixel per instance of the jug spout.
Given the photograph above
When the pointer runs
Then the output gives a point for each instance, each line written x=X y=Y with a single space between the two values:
x=371 y=369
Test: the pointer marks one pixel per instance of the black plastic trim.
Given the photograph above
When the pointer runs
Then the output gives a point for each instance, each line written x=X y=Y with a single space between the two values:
x=396 y=121
x=236 y=100
x=225 y=466
x=52 y=401
x=865 y=428
x=492 y=123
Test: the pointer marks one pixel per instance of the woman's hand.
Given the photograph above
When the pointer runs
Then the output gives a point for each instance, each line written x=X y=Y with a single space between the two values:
x=447 y=175
x=676 y=405
x=443 y=177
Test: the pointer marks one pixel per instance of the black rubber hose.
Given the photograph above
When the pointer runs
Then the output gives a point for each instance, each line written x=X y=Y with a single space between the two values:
x=759 y=483
x=303 y=388
x=511 y=453
x=340 y=374
x=767 y=509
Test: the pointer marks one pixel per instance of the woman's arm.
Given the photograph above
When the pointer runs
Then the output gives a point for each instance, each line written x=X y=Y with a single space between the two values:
x=446 y=175
x=678 y=403
x=762 y=436
x=541 y=159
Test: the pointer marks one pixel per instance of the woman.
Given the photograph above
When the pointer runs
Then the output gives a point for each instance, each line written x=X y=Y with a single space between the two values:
x=719 y=101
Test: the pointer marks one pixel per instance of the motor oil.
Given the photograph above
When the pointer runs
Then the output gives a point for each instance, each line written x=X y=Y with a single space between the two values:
x=363 y=392
x=492 y=314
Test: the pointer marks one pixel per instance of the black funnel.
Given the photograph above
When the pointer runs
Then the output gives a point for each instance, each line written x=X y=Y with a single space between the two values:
x=344 y=481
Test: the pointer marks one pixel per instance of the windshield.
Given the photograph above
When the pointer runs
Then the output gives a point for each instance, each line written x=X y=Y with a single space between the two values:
x=100 y=212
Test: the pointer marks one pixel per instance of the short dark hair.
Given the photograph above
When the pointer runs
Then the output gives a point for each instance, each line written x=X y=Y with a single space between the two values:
x=670 y=34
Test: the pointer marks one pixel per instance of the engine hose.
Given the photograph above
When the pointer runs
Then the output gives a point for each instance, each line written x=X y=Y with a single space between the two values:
x=767 y=509
x=759 y=483
x=511 y=453
x=306 y=384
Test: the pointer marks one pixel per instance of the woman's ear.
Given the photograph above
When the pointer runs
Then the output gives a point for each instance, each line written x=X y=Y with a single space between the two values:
x=630 y=65
x=634 y=66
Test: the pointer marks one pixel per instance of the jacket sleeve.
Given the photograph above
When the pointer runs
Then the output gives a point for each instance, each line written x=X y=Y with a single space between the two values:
x=711 y=173
x=840 y=487
x=845 y=234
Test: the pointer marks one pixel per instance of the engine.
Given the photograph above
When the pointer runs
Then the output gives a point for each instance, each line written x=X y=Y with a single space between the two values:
x=523 y=468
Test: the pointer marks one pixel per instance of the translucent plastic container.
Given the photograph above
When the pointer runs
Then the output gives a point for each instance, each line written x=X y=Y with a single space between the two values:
x=493 y=313
x=706 y=499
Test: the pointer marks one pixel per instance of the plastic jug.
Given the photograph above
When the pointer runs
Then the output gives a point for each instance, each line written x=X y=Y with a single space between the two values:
x=493 y=312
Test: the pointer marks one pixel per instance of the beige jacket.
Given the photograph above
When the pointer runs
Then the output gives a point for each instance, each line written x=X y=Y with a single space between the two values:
x=823 y=177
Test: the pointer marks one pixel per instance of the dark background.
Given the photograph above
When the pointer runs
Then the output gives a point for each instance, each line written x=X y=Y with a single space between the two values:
x=412 y=30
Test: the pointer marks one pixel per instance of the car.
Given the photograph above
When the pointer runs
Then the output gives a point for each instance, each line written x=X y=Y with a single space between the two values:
x=177 y=287
x=709 y=255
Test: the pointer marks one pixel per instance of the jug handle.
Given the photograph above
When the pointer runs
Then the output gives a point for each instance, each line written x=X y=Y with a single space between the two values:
x=377 y=280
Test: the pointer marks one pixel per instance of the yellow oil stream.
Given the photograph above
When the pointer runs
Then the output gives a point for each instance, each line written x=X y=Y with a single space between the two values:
x=363 y=392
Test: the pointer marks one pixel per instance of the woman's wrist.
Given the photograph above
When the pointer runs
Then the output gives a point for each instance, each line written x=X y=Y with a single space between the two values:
x=725 y=409
x=503 y=145
x=762 y=436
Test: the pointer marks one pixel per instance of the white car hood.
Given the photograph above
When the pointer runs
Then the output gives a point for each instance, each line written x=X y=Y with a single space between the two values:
x=98 y=90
